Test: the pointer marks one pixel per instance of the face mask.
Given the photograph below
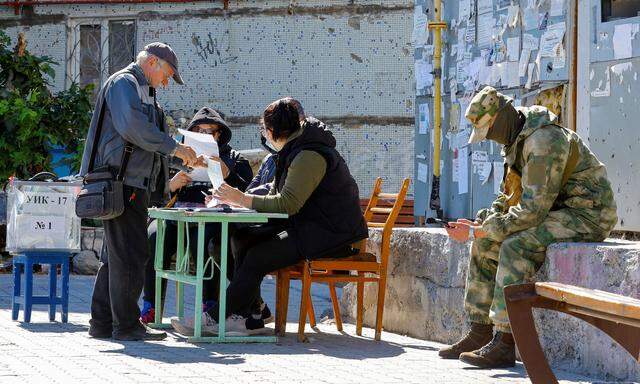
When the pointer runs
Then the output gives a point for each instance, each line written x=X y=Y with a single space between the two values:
x=267 y=145
x=506 y=127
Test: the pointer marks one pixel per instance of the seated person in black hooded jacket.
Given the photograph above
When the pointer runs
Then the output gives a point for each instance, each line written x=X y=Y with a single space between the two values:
x=314 y=187
x=236 y=171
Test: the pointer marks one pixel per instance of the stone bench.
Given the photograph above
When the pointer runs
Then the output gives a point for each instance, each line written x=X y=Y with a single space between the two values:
x=425 y=291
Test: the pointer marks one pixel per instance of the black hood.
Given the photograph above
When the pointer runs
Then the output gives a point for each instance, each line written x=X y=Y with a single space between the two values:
x=208 y=115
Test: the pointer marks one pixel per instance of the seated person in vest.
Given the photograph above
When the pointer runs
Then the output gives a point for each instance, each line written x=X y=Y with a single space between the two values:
x=314 y=187
x=555 y=190
x=236 y=171
x=261 y=183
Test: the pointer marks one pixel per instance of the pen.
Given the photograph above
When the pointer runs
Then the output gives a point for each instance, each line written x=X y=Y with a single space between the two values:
x=205 y=195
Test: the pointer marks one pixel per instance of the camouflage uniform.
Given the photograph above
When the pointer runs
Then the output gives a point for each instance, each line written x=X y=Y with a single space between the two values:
x=558 y=203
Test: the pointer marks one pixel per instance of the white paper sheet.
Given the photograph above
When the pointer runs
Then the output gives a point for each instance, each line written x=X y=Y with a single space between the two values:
x=464 y=10
x=485 y=6
x=623 y=35
x=550 y=40
x=513 y=80
x=202 y=144
x=420 y=34
x=530 y=42
x=424 y=77
x=524 y=62
x=513 y=15
x=463 y=170
x=483 y=170
x=479 y=156
x=214 y=173
x=486 y=22
x=557 y=8
x=423 y=172
x=423 y=123
x=604 y=86
x=530 y=18
x=498 y=175
x=530 y=68
x=471 y=30
x=513 y=48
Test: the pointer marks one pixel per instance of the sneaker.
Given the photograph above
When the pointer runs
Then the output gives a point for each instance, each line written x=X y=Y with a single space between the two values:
x=186 y=326
x=237 y=325
x=264 y=314
x=148 y=313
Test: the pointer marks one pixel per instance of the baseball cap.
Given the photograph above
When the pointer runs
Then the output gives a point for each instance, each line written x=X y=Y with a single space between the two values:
x=482 y=110
x=164 y=52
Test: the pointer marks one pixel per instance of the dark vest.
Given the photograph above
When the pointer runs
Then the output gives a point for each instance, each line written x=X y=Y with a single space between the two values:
x=331 y=219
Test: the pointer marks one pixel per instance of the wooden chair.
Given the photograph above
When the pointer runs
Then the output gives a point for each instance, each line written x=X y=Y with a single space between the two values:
x=363 y=267
x=617 y=316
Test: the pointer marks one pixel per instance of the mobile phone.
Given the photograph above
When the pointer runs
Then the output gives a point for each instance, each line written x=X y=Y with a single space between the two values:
x=437 y=221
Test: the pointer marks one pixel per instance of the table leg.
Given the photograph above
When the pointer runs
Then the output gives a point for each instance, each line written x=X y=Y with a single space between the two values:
x=180 y=255
x=158 y=267
x=222 y=300
x=53 y=290
x=197 y=324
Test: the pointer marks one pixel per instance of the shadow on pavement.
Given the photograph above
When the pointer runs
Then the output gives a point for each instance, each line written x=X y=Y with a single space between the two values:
x=54 y=327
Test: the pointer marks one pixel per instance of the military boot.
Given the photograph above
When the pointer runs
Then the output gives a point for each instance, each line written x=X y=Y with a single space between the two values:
x=479 y=335
x=499 y=353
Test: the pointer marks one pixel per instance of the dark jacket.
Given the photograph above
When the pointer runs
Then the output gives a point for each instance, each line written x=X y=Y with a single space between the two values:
x=331 y=217
x=240 y=172
x=261 y=183
x=133 y=115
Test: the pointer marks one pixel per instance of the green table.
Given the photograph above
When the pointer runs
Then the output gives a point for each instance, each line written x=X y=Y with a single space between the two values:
x=181 y=274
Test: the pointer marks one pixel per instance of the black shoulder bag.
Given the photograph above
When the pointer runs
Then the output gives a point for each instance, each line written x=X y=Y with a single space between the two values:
x=102 y=194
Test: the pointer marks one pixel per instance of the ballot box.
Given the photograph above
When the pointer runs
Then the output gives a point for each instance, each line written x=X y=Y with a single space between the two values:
x=41 y=217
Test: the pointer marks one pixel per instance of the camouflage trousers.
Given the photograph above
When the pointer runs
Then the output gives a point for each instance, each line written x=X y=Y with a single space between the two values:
x=495 y=265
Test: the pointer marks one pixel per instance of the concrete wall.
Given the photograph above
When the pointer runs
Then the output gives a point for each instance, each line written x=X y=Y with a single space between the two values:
x=425 y=295
x=349 y=63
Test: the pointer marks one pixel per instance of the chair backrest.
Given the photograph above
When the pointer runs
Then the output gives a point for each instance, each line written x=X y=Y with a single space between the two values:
x=384 y=217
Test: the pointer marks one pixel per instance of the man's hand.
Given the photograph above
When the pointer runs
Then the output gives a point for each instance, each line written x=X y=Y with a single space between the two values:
x=187 y=154
x=458 y=231
x=178 y=181
x=201 y=162
x=223 y=166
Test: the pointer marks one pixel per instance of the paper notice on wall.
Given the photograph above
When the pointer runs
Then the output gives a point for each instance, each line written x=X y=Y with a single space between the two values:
x=530 y=42
x=471 y=30
x=557 y=8
x=604 y=85
x=455 y=169
x=498 y=175
x=464 y=10
x=454 y=117
x=424 y=77
x=550 y=40
x=502 y=4
x=560 y=58
x=530 y=68
x=463 y=170
x=423 y=172
x=420 y=34
x=513 y=48
x=525 y=56
x=479 y=156
x=623 y=35
x=485 y=6
x=423 y=118
x=513 y=80
x=513 y=15
x=483 y=170
x=530 y=18
x=486 y=22
x=461 y=72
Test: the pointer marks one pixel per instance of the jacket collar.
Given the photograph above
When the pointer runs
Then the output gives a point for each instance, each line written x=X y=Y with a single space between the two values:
x=136 y=70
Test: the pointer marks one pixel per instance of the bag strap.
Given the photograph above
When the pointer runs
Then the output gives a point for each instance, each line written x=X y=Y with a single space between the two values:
x=126 y=153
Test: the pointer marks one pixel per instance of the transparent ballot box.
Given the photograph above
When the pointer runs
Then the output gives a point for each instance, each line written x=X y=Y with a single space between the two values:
x=41 y=216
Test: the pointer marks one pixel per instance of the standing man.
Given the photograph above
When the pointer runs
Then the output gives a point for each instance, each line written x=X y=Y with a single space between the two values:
x=555 y=190
x=131 y=115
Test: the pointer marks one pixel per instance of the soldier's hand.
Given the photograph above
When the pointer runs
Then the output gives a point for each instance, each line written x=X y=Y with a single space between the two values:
x=468 y=222
x=478 y=233
x=458 y=231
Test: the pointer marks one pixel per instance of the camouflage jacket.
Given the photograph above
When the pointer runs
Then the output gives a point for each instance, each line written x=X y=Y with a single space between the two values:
x=540 y=155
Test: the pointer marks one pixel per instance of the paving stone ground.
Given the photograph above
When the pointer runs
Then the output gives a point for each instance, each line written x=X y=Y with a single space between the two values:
x=43 y=352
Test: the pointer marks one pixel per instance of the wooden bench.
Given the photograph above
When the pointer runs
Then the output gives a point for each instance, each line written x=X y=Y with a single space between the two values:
x=405 y=217
x=617 y=316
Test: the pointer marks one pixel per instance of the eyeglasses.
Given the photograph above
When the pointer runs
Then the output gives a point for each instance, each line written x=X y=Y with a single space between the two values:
x=209 y=131
x=262 y=130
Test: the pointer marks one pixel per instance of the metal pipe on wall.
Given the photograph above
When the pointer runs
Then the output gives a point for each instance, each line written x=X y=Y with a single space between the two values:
x=437 y=26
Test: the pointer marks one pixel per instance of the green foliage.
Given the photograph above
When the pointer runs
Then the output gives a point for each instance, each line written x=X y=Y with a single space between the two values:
x=32 y=119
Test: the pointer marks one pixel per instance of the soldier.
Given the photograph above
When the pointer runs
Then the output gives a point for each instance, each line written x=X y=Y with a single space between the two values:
x=555 y=190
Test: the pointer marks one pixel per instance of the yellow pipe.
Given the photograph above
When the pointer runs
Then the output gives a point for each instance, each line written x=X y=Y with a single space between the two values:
x=437 y=25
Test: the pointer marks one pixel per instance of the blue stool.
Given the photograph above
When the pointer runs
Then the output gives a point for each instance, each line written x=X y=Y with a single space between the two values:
x=25 y=261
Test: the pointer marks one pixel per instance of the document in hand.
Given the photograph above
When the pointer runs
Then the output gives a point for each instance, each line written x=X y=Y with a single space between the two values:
x=214 y=171
x=202 y=144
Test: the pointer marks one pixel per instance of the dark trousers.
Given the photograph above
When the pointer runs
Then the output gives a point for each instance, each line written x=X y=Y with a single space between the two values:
x=114 y=305
x=257 y=250
x=211 y=287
